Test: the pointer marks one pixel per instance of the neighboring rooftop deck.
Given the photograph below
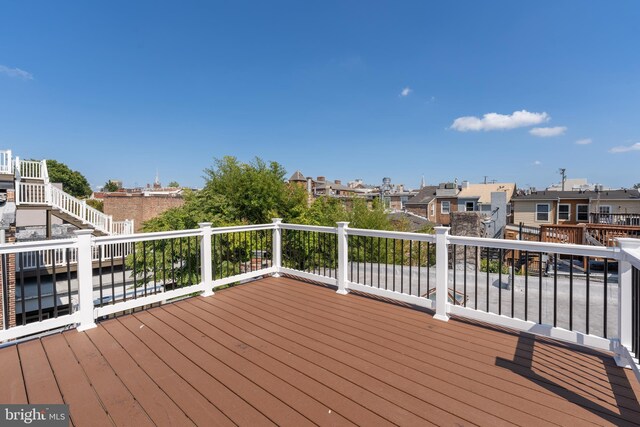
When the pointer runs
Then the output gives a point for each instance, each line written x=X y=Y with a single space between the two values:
x=281 y=351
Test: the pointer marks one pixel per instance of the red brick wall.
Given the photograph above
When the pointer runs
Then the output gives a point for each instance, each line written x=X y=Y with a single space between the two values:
x=138 y=207
x=11 y=273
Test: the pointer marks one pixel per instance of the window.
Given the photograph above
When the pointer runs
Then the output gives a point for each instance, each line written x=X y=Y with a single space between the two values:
x=564 y=212
x=445 y=207
x=582 y=213
x=433 y=209
x=469 y=206
x=509 y=209
x=542 y=212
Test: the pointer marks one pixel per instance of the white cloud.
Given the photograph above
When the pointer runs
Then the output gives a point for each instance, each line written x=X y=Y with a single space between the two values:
x=406 y=91
x=495 y=121
x=625 y=148
x=15 y=72
x=584 y=141
x=537 y=162
x=548 y=132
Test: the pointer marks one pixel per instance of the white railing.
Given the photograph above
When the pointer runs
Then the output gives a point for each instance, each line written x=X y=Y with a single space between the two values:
x=31 y=169
x=48 y=195
x=6 y=162
x=351 y=260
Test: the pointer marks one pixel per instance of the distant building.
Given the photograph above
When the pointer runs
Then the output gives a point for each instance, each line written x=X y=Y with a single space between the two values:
x=140 y=205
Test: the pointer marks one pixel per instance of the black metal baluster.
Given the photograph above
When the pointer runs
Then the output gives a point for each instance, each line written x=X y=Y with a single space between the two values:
x=100 y=284
x=555 y=290
x=428 y=268
x=464 y=299
x=394 y=265
x=364 y=250
x=478 y=260
x=588 y=269
x=571 y=292
x=513 y=280
x=155 y=271
x=488 y=305
x=144 y=266
x=526 y=285
x=500 y=254
x=113 y=278
x=386 y=264
x=39 y=285
x=22 y=294
x=419 y=266
x=401 y=266
x=53 y=279
x=68 y=253
x=371 y=248
x=606 y=284
x=124 y=269
x=453 y=267
x=540 y=287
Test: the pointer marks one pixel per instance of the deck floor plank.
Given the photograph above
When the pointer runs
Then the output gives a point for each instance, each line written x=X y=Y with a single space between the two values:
x=375 y=330
x=299 y=401
x=85 y=407
x=233 y=406
x=13 y=388
x=200 y=410
x=243 y=345
x=159 y=407
x=422 y=387
x=39 y=380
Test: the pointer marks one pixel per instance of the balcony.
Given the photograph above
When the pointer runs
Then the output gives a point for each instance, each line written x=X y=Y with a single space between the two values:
x=527 y=343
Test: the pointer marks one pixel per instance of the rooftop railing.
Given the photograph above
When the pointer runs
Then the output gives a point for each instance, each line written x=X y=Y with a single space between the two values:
x=582 y=294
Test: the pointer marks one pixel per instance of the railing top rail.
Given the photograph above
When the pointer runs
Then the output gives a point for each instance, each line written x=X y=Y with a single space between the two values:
x=37 y=245
x=523 y=245
x=139 y=237
x=303 y=227
x=392 y=234
x=235 y=228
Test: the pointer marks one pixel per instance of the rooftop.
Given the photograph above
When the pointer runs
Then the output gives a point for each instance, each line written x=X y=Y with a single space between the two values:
x=627 y=194
x=483 y=191
x=283 y=351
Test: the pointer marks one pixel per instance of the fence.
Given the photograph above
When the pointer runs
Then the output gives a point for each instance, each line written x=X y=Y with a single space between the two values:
x=583 y=294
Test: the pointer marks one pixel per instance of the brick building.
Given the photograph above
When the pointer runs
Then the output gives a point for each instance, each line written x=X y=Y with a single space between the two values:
x=140 y=206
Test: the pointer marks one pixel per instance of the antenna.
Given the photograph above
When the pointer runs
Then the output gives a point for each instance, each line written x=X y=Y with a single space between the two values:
x=563 y=173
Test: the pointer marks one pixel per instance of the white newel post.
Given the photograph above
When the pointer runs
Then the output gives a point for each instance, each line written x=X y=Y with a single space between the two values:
x=276 y=250
x=83 y=214
x=442 y=273
x=343 y=260
x=625 y=315
x=85 y=280
x=205 y=259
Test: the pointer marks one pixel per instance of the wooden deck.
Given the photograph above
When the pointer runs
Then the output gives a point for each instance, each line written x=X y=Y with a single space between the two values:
x=281 y=351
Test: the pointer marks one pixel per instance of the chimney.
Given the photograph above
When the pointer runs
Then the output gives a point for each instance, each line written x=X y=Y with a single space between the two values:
x=465 y=184
x=337 y=181
x=321 y=179
x=309 y=184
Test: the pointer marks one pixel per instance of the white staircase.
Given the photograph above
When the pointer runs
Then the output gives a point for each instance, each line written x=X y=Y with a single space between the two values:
x=34 y=189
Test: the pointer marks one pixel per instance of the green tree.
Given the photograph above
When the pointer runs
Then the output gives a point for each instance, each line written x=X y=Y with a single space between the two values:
x=96 y=204
x=110 y=186
x=174 y=184
x=73 y=182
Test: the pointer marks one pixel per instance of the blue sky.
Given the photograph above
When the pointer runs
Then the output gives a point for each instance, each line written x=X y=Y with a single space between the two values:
x=345 y=89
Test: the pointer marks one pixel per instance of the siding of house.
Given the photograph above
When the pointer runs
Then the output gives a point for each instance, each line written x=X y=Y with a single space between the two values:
x=573 y=203
x=525 y=211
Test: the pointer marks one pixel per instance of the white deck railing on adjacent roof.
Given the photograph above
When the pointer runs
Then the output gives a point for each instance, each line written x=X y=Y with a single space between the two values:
x=6 y=162
x=424 y=270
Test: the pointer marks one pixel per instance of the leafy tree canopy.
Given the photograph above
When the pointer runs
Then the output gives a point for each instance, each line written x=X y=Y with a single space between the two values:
x=236 y=193
x=110 y=186
x=73 y=182
x=173 y=184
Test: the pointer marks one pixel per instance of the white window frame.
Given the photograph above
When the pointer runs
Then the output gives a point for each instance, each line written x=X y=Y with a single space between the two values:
x=466 y=206
x=578 y=213
x=605 y=217
x=568 y=218
x=548 y=212
x=448 y=204
x=433 y=209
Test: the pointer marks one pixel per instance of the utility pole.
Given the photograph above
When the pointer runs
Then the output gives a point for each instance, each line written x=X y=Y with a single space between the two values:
x=562 y=172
